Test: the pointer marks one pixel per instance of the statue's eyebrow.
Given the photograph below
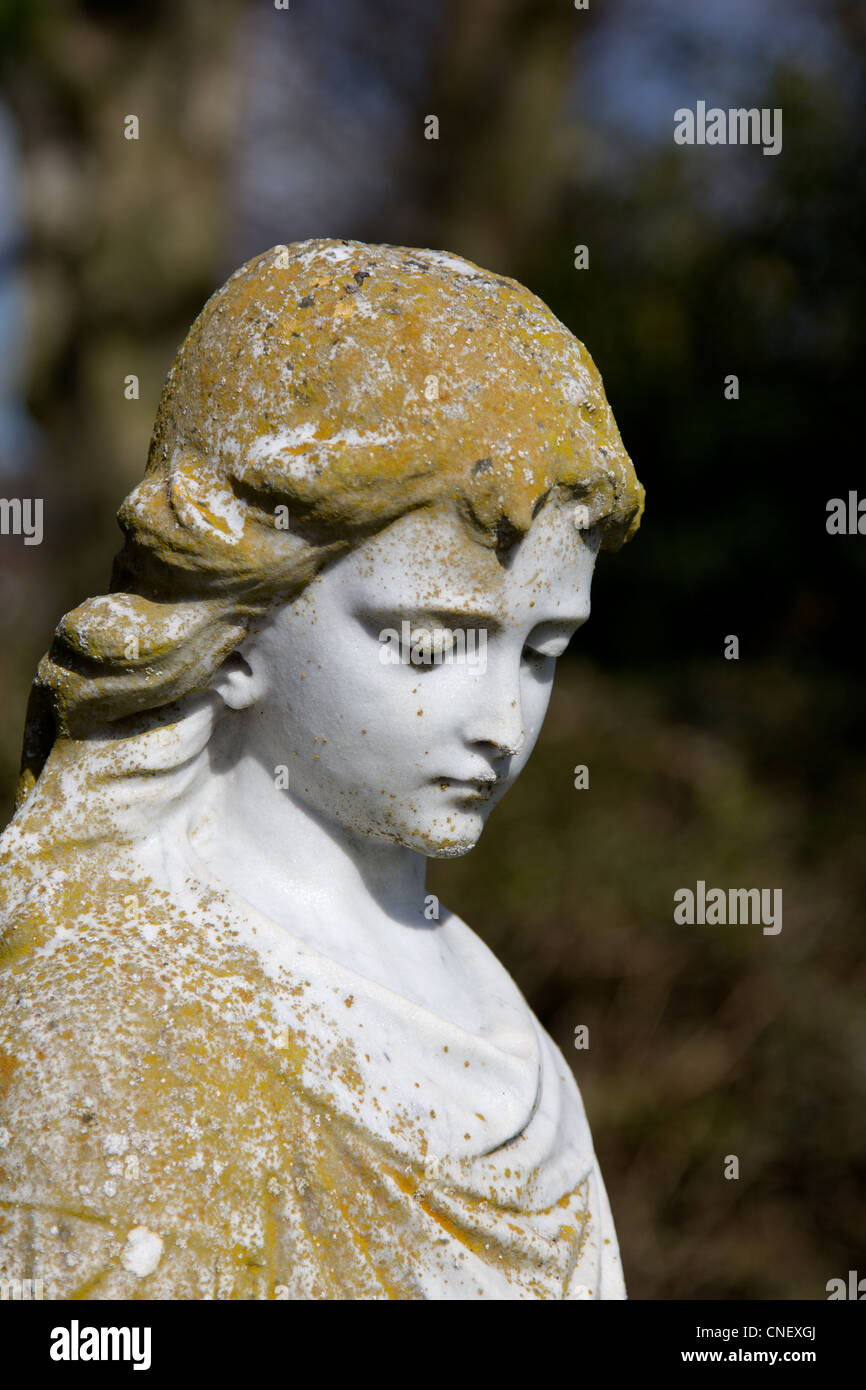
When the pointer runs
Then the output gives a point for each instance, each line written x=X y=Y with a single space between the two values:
x=425 y=613
x=492 y=621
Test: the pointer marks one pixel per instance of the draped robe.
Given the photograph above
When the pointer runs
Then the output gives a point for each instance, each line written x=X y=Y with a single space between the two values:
x=194 y=1104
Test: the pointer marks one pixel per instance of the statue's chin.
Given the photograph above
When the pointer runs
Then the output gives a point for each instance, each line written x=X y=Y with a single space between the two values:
x=451 y=851
x=448 y=846
x=432 y=842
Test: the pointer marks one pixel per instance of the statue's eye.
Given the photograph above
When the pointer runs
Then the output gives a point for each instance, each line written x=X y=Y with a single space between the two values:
x=429 y=646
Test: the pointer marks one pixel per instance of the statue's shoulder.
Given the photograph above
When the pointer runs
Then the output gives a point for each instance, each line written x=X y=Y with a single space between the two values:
x=148 y=1127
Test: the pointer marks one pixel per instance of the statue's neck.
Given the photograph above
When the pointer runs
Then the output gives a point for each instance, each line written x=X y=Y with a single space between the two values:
x=243 y=816
x=313 y=876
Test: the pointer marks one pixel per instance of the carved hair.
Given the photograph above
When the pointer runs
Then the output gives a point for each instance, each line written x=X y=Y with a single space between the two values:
x=325 y=390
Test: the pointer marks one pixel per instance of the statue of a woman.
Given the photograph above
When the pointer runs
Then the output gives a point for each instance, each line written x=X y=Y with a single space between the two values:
x=242 y=1053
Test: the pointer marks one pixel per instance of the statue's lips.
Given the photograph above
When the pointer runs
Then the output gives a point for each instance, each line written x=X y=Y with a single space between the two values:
x=477 y=788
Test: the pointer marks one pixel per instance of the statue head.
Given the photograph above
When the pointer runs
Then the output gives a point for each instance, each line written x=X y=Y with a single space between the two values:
x=356 y=443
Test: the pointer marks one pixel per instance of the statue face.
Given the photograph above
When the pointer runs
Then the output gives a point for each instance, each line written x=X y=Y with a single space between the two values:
x=413 y=741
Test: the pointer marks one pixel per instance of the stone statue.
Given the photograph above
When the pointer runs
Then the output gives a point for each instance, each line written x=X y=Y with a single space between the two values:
x=243 y=1054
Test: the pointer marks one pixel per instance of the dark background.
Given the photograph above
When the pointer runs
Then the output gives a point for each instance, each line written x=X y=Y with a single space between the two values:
x=260 y=126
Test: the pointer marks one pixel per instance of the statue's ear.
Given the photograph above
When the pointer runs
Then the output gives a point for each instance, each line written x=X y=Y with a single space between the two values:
x=238 y=682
